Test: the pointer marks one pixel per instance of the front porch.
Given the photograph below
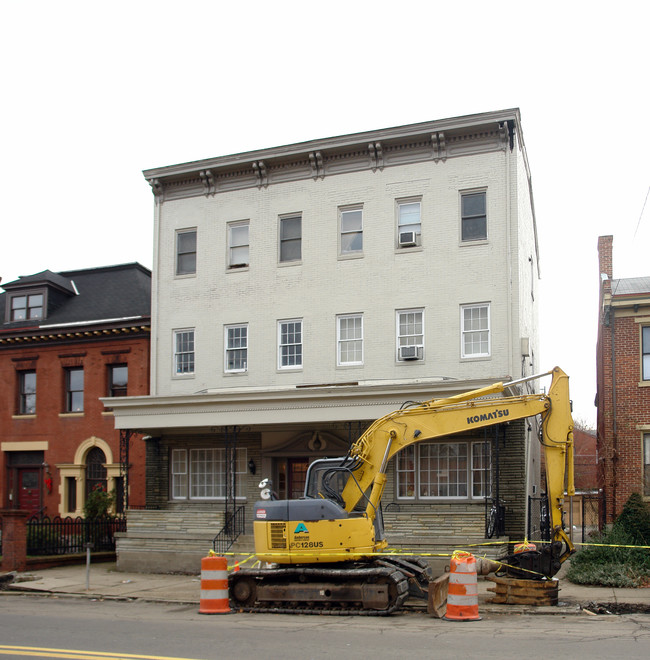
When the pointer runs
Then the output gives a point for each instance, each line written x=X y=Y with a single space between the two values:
x=174 y=540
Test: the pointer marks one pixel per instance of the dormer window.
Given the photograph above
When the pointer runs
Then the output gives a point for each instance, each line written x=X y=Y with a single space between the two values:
x=27 y=308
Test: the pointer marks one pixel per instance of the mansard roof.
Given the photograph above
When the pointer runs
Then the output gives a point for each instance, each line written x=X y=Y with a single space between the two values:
x=106 y=295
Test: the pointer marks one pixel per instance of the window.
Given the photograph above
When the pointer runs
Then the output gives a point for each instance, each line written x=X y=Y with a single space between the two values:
x=473 y=217
x=290 y=344
x=186 y=252
x=183 y=352
x=118 y=378
x=645 y=350
x=205 y=476
x=443 y=470
x=236 y=359
x=238 y=245
x=291 y=238
x=409 y=225
x=350 y=339
x=475 y=330
x=406 y=473
x=179 y=474
x=27 y=399
x=74 y=386
x=646 y=464
x=27 y=308
x=410 y=335
x=351 y=224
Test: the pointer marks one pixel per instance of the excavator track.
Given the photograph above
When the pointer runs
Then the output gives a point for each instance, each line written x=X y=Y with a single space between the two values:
x=353 y=589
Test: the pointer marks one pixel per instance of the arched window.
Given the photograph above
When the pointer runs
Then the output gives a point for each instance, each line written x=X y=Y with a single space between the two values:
x=95 y=469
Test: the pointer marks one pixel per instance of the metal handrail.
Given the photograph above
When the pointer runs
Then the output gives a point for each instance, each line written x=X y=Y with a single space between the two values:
x=230 y=532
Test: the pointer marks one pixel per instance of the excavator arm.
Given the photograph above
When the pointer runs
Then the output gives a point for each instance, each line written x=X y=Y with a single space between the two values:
x=389 y=435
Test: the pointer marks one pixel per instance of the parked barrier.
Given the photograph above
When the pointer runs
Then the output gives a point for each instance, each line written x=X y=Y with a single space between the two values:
x=462 y=596
x=214 y=586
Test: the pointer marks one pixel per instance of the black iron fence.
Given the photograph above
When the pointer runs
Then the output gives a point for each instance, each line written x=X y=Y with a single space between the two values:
x=61 y=536
x=584 y=511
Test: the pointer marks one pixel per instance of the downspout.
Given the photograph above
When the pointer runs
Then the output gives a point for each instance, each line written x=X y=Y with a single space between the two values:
x=508 y=257
x=614 y=420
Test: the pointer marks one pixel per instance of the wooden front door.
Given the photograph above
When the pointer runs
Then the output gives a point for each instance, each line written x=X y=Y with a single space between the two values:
x=29 y=489
x=296 y=477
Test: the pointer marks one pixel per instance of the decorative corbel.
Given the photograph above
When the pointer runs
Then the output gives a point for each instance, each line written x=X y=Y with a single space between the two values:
x=316 y=164
x=376 y=156
x=439 y=147
x=157 y=190
x=260 y=172
x=379 y=155
x=209 y=184
x=313 y=165
x=373 y=156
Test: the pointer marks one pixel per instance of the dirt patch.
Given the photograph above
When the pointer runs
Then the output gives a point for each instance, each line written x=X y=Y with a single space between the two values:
x=616 y=608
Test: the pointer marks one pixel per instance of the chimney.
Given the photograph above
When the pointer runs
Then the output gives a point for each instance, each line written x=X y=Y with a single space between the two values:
x=605 y=267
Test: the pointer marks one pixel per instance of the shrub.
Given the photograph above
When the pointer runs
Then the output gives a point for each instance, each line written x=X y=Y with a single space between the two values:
x=611 y=564
x=98 y=503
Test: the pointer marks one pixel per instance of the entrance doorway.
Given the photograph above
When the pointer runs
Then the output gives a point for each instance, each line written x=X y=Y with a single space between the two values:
x=292 y=474
x=29 y=492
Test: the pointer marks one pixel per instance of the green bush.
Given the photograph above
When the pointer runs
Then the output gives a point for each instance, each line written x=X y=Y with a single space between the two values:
x=619 y=566
x=98 y=503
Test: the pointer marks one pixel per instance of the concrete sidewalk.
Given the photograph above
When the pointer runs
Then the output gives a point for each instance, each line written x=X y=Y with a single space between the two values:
x=103 y=581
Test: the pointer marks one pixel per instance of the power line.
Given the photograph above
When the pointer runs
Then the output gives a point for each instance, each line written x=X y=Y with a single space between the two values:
x=642 y=210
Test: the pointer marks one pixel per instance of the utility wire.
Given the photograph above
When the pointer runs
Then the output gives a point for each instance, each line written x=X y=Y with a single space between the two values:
x=642 y=210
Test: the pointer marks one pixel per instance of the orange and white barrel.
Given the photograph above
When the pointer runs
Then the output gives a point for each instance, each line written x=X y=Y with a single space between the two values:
x=462 y=596
x=214 y=586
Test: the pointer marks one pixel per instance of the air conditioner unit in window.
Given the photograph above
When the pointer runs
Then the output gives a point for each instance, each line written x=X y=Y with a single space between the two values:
x=407 y=238
x=410 y=352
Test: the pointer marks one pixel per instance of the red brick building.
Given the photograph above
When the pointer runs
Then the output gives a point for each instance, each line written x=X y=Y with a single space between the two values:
x=67 y=339
x=623 y=377
x=585 y=460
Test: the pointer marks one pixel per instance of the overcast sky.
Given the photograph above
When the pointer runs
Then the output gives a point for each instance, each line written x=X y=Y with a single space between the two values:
x=93 y=93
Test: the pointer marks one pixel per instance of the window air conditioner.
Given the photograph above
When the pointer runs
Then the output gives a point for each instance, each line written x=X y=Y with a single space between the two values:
x=407 y=239
x=410 y=352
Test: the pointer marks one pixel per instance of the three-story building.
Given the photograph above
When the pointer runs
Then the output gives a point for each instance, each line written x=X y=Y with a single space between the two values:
x=302 y=291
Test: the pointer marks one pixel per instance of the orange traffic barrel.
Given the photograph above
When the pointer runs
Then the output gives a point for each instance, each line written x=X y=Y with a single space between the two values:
x=462 y=596
x=525 y=547
x=214 y=586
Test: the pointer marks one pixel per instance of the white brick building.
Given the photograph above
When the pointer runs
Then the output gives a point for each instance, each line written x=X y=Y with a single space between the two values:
x=301 y=291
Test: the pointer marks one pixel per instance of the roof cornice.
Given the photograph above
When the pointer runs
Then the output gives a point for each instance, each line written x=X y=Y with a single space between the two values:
x=434 y=141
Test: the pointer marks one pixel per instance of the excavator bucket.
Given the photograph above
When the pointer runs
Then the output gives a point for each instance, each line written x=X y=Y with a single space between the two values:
x=437 y=601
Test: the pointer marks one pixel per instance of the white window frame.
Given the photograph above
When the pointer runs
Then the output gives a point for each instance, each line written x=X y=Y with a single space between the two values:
x=199 y=474
x=238 y=244
x=471 y=330
x=179 y=355
x=409 y=339
x=283 y=241
x=179 y=474
x=178 y=254
x=345 y=232
x=287 y=344
x=405 y=223
x=470 y=217
x=230 y=349
x=343 y=342
x=412 y=461
x=645 y=352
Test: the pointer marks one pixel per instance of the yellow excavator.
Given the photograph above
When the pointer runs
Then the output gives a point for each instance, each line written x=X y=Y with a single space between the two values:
x=324 y=553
